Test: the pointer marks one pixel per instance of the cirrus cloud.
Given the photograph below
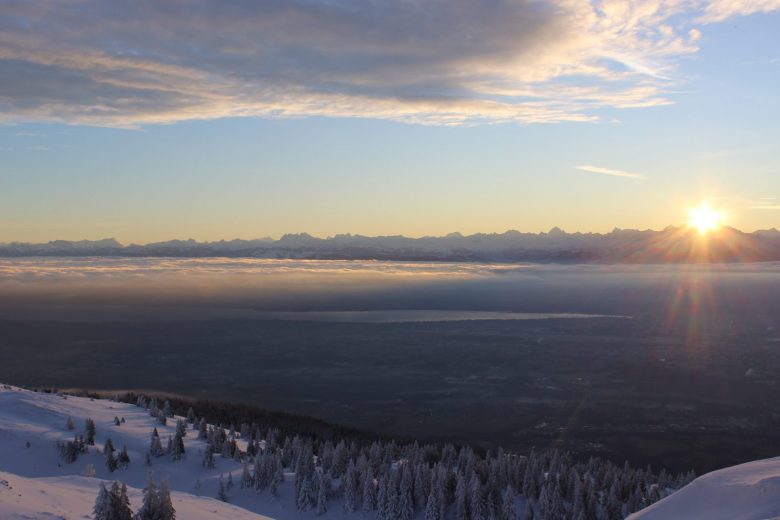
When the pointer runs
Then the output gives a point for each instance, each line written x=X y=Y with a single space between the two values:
x=132 y=63
x=609 y=171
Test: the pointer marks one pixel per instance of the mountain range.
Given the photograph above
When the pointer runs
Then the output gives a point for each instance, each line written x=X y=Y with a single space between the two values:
x=674 y=244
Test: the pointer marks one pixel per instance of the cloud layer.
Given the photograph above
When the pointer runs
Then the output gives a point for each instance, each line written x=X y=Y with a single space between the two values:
x=440 y=61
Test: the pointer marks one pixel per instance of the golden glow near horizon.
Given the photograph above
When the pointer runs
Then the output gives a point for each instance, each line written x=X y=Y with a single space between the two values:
x=704 y=219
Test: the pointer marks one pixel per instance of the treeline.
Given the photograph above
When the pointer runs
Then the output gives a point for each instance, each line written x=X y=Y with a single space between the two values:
x=219 y=412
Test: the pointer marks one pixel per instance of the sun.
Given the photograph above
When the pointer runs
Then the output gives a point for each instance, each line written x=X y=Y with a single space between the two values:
x=704 y=219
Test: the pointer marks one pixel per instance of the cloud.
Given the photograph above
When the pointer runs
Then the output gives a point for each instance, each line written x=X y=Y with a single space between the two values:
x=444 y=62
x=719 y=10
x=609 y=171
x=767 y=207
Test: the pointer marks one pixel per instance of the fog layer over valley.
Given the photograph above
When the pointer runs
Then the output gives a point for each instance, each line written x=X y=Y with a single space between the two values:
x=679 y=369
x=163 y=288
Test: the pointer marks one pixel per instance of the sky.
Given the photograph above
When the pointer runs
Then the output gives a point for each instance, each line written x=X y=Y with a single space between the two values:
x=216 y=120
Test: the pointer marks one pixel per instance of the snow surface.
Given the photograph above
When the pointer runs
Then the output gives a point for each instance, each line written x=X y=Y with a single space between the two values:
x=746 y=492
x=35 y=484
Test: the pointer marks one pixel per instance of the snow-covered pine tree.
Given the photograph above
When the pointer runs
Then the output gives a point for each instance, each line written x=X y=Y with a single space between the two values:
x=278 y=476
x=421 y=486
x=181 y=428
x=369 y=491
x=89 y=427
x=246 y=477
x=101 y=510
x=476 y=499
x=221 y=491
x=108 y=451
x=350 y=485
x=150 y=508
x=166 y=509
x=303 y=498
x=382 y=498
x=123 y=461
x=461 y=506
x=155 y=446
x=432 y=507
x=405 y=499
x=208 y=457
x=177 y=447
x=508 y=506
x=322 y=494
x=226 y=446
x=124 y=512
x=119 y=504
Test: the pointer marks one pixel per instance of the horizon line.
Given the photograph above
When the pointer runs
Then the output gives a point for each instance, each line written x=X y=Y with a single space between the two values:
x=455 y=234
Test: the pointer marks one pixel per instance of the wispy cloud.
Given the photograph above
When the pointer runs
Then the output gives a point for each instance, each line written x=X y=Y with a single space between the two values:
x=609 y=171
x=436 y=62
x=719 y=10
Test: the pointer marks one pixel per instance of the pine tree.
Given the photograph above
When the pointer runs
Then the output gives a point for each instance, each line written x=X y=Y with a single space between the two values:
x=181 y=428
x=108 y=450
x=155 y=446
x=369 y=491
x=166 y=510
x=508 y=507
x=476 y=499
x=461 y=510
x=208 y=457
x=432 y=508
x=405 y=499
x=124 y=512
x=101 y=511
x=304 y=495
x=90 y=430
x=150 y=507
x=221 y=492
x=246 y=478
x=118 y=503
x=69 y=424
x=349 y=482
x=177 y=447
x=322 y=495
x=124 y=459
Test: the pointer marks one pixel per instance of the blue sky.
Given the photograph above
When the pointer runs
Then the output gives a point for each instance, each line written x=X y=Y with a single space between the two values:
x=457 y=124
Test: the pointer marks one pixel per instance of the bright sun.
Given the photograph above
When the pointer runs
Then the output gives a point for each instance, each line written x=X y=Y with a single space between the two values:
x=704 y=218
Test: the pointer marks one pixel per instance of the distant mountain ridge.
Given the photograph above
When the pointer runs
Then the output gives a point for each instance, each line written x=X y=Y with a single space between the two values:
x=670 y=245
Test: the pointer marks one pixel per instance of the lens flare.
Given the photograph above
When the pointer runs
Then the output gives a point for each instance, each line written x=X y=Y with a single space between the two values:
x=704 y=219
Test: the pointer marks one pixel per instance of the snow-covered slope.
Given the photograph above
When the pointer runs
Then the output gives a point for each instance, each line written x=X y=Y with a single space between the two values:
x=746 y=492
x=36 y=484
x=74 y=496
